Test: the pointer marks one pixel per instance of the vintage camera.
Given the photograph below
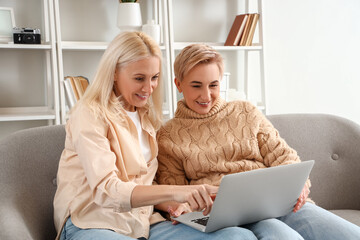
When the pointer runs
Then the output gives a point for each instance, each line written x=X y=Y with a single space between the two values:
x=26 y=35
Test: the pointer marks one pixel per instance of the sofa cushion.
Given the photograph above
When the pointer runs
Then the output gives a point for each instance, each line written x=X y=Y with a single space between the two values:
x=29 y=161
x=350 y=215
x=333 y=142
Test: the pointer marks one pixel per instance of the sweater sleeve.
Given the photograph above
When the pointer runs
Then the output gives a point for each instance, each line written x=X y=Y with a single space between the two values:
x=274 y=150
x=170 y=170
x=99 y=162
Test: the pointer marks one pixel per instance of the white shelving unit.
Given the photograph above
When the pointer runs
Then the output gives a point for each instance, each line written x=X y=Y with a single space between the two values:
x=175 y=45
x=76 y=33
x=75 y=45
x=49 y=109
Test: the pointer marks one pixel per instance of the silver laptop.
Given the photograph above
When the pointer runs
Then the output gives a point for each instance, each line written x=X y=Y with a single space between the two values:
x=252 y=196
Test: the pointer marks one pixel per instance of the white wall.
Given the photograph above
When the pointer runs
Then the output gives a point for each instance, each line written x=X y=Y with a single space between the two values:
x=312 y=57
x=312 y=50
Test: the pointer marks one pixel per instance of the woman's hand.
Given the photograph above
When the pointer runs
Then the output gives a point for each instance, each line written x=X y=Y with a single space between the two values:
x=198 y=197
x=302 y=199
x=177 y=210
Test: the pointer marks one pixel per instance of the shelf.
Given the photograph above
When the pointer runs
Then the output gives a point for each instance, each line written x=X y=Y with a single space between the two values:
x=78 y=45
x=75 y=46
x=218 y=46
x=85 y=46
x=260 y=107
x=241 y=58
x=24 y=46
x=26 y=113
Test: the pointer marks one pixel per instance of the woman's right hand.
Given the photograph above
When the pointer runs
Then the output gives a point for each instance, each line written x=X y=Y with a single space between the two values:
x=197 y=196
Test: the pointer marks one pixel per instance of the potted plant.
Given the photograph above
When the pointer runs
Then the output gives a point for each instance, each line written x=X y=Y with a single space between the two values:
x=129 y=15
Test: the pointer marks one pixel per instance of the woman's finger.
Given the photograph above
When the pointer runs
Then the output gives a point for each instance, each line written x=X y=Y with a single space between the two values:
x=209 y=203
x=200 y=196
x=181 y=209
x=192 y=201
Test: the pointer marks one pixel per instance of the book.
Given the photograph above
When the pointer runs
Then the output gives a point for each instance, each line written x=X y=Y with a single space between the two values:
x=80 y=85
x=84 y=82
x=75 y=88
x=70 y=96
x=236 y=30
x=246 y=30
x=252 y=29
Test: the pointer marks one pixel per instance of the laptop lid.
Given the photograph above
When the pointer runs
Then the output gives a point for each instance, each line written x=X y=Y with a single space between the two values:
x=252 y=196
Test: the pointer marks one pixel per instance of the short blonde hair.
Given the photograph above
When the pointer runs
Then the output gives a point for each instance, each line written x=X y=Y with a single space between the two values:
x=194 y=55
x=126 y=47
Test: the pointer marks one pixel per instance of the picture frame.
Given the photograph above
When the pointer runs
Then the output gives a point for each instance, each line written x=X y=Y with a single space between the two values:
x=7 y=23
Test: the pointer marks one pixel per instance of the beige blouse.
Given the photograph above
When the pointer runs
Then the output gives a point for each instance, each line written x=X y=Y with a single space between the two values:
x=101 y=164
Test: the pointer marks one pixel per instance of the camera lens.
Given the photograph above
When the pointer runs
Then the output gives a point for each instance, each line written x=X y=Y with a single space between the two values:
x=28 y=38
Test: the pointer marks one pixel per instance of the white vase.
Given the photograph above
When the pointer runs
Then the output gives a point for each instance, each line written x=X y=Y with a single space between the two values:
x=129 y=17
x=152 y=29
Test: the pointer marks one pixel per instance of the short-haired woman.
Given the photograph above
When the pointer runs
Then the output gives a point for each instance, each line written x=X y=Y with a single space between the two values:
x=209 y=138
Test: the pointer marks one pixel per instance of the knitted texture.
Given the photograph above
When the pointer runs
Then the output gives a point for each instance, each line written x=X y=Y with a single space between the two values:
x=202 y=148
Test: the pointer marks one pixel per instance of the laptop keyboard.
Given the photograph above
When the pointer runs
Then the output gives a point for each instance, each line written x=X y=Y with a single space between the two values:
x=201 y=221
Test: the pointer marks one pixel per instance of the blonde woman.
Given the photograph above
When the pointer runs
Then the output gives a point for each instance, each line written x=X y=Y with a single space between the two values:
x=209 y=138
x=109 y=162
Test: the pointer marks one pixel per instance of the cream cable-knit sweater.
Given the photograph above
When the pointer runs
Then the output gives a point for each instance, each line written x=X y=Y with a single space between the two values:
x=232 y=137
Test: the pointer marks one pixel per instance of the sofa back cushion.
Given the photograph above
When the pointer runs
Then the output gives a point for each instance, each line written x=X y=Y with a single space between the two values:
x=334 y=143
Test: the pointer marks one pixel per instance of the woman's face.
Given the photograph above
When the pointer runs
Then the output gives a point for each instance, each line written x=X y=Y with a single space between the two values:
x=200 y=87
x=136 y=81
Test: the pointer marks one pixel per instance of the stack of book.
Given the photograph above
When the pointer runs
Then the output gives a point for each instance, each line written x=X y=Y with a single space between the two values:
x=242 y=30
x=75 y=88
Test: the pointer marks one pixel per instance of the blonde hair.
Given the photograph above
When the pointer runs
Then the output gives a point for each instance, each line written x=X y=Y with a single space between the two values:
x=193 y=55
x=126 y=47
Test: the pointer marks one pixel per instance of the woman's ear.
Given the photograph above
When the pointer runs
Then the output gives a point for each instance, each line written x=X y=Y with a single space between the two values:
x=178 y=85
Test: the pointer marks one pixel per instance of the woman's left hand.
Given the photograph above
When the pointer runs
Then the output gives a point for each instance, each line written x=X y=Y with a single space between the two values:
x=302 y=199
x=180 y=209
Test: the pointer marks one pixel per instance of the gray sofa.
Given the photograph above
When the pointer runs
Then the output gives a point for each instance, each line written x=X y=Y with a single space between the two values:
x=29 y=161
